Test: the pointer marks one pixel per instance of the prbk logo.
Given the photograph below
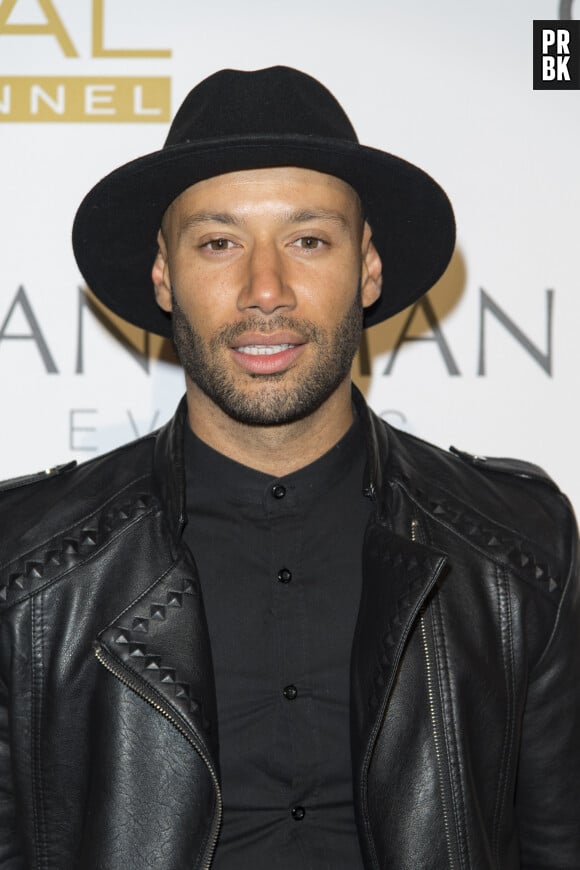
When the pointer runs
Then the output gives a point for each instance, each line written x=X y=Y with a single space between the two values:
x=557 y=55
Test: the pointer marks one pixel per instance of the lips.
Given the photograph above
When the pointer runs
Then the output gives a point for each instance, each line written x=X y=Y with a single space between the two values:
x=265 y=354
x=264 y=349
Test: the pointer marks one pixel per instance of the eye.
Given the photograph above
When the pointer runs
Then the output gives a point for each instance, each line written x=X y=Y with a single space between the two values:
x=218 y=244
x=309 y=243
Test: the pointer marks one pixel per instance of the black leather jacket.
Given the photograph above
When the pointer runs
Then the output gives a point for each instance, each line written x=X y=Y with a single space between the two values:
x=465 y=667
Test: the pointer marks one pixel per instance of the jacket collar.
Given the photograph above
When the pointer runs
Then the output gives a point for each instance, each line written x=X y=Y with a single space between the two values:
x=169 y=468
x=377 y=449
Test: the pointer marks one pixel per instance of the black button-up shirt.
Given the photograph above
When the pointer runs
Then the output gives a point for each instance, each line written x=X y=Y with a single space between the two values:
x=280 y=568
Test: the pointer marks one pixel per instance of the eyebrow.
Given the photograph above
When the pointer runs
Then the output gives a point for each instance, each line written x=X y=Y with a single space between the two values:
x=291 y=217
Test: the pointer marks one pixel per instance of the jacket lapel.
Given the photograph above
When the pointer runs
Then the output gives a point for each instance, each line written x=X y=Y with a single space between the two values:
x=161 y=645
x=160 y=642
x=398 y=575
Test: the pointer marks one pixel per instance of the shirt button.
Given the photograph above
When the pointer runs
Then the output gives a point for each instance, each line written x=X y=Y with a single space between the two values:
x=284 y=575
x=290 y=692
x=278 y=491
x=298 y=813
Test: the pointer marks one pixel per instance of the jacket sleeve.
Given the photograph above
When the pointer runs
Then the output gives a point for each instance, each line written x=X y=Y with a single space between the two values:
x=10 y=854
x=548 y=785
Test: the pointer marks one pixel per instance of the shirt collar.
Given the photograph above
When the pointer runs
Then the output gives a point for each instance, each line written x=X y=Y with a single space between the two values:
x=234 y=483
x=169 y=468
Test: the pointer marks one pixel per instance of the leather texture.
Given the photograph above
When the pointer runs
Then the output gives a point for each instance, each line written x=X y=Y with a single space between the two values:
x=465 y=673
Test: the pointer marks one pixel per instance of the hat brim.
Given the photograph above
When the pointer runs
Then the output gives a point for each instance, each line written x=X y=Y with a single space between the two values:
x=115 y=228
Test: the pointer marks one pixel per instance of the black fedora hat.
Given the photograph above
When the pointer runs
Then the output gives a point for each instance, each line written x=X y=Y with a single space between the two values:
x=237 y=120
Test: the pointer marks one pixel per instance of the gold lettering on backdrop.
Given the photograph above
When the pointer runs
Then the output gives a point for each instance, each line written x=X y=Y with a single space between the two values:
x=84 y=99
x=53 y=25
x=55 y=103
x=5 y=100
x=139 y=108
x=98 y=99
x=99 y=49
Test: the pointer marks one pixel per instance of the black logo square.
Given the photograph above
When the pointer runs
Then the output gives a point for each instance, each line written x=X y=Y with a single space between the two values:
x=556 y=55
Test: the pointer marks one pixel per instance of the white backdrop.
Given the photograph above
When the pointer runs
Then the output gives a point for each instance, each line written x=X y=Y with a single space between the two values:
x=447 y=85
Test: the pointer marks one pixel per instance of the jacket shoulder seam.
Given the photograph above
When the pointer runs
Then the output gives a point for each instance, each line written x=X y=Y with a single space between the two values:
x=507 y=466
x=28 y=479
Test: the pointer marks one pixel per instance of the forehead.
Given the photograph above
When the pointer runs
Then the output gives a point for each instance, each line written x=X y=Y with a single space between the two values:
x=291 y=184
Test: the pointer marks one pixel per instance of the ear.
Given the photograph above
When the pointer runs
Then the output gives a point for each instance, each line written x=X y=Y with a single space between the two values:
x=371 y=270
x=160 y=275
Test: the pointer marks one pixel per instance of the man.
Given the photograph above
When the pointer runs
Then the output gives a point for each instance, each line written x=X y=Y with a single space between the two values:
x=278 y=633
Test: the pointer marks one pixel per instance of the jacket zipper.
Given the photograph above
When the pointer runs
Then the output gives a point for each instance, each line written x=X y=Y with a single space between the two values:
x=432 y=710
x=128 y=680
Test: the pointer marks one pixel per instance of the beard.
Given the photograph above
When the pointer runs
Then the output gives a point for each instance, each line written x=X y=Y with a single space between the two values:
x=283 y=397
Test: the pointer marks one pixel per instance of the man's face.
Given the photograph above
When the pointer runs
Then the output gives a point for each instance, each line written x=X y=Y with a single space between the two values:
x=266 y=273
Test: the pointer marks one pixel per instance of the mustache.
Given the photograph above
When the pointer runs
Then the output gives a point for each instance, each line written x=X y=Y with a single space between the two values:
x=266 y=325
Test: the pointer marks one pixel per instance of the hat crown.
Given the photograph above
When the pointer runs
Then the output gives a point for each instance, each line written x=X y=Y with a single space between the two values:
x=278 y=101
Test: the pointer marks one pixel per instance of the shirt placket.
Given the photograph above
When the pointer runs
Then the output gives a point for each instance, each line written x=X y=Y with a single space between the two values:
x=291 y=628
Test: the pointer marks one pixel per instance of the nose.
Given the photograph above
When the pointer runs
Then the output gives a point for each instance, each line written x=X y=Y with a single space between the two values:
x=266 y=286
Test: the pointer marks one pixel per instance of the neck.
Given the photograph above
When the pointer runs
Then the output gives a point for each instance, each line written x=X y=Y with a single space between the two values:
x=275 y=450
